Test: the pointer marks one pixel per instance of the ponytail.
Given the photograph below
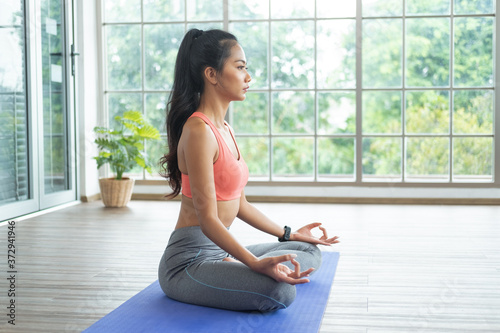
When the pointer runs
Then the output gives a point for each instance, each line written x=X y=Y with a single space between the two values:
x=199 y=49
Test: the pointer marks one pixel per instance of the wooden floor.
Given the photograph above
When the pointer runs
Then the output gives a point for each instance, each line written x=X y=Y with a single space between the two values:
x=402 y=268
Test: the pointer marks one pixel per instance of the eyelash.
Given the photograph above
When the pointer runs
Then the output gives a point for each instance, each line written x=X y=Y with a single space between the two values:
x=241 y=67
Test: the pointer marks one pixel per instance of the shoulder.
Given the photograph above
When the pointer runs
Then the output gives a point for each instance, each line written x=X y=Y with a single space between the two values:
x=197 y=132
x=194 y=125
x=197 y=146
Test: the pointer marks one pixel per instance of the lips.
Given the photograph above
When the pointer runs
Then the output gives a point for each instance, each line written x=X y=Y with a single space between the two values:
x=246 y=89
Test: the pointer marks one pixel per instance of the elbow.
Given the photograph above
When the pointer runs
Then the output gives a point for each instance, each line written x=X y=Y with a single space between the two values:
x=204 y=228
x=207 y=224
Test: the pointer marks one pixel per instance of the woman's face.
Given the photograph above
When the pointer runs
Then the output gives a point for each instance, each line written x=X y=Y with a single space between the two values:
x=234 y=79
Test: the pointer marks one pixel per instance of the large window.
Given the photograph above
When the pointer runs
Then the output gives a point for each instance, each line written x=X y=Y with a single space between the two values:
x=356 y=92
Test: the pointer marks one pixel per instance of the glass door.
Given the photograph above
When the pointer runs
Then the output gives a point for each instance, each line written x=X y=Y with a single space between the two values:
x=17 y=192
x=57 y=172
x=37 y=146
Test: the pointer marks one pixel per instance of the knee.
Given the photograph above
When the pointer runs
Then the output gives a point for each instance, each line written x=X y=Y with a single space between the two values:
x=162 y=276
x=280 y=298
x=162 y=281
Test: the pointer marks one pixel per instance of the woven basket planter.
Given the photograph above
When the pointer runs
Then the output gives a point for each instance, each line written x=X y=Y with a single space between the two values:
x=116 y=193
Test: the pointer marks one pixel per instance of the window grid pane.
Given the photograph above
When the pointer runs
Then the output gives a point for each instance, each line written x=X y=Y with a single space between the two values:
x=292 y=46
x=382 y=159
x=336 y=58
x=427 y=52
x=382 y=55
x=123 y=57
x=336 y=159
x=473 y=45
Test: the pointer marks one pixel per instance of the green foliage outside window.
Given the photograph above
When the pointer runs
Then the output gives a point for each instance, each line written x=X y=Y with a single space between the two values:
x=426 y=89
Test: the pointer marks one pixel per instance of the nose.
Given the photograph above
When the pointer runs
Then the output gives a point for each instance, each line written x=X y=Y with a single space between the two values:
x=248 y=77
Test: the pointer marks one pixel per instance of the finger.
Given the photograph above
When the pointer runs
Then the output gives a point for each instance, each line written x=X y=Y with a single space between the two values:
x=313 y=225
x=293 y=281
x=296 y=272
x=314 y=240
x=283 y=258
x=319 y=241
x=322 y=242
x=325 y=234
x=306 y=273
x=333 y=240
x=280 y=259
x=285 y=269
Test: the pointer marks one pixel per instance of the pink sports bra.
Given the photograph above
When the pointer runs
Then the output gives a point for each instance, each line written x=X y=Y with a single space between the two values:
x=230 y=173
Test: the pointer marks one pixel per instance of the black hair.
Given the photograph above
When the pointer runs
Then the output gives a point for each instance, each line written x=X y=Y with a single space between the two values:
x=199 y=49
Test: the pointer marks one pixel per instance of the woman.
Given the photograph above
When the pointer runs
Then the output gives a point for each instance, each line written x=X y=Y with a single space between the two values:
x=203 y=263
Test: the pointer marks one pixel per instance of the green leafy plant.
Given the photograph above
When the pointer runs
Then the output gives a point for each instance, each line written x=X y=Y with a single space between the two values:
x=123 y=148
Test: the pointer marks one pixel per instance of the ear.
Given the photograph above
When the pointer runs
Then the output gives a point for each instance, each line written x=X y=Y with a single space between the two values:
x=211 y=75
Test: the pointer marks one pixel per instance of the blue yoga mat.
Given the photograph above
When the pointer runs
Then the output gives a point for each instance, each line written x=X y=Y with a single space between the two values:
x=151 y=311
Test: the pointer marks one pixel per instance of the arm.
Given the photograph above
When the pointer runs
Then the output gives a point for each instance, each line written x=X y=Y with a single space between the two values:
x=254 y=217
x=251 y=215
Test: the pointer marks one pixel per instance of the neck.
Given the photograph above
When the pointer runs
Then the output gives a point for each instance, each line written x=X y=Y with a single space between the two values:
x=214 y=108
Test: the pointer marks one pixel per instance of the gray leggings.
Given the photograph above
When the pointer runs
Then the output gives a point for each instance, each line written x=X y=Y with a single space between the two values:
x=192 y=271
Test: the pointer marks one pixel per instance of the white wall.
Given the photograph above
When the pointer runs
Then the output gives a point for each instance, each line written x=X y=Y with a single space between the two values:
x=254 y=189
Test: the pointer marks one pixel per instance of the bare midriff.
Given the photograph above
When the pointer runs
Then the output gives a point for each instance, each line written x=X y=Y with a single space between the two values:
x=226 y=211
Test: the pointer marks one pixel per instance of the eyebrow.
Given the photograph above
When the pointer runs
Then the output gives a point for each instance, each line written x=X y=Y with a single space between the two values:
x=243 y=61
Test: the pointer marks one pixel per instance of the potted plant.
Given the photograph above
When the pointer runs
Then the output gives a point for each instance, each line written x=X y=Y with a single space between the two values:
x=123 y=149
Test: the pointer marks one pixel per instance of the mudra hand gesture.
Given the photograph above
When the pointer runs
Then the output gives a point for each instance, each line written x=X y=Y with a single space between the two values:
x=273 y=267
x=304 y=234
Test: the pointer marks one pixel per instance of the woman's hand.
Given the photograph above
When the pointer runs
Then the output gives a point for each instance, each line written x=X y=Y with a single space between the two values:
x=304 y=234
x=273 y=267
